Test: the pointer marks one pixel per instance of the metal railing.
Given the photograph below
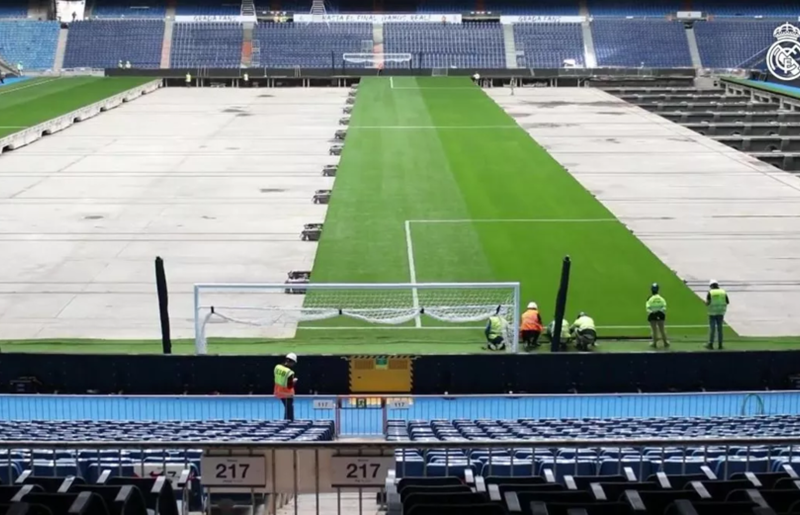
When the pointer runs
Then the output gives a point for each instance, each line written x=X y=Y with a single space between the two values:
x=367 y=415
x=343 y=476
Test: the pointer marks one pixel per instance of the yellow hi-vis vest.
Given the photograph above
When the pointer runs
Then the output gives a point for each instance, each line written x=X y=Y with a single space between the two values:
x=496 y=325
x=719 y=302
x=656 y=303
x=246 y=77
x=583 y=323
x=188 y=78
x=282 y=386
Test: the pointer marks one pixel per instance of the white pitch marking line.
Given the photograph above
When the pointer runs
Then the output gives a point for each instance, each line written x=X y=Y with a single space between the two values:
x=2 y=92
x=474 y=327
x=435 y=127
x=516 y=220
x=13 y=126
x=391 y=82
x=412 y=270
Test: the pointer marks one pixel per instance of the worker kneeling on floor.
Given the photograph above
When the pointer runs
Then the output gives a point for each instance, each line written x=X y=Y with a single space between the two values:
x=530 y=327
x=495 y=332
x=584 y=331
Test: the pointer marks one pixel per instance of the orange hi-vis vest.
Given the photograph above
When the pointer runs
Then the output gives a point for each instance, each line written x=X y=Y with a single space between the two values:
x=531 y=321
x=284 y=381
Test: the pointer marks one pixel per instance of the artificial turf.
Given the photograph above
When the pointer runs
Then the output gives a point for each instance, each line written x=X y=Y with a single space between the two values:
x=440 y=149
x=30 y=102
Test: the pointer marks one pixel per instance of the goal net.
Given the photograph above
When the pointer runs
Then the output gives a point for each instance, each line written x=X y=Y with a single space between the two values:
x=276 y=310
x=377 y=60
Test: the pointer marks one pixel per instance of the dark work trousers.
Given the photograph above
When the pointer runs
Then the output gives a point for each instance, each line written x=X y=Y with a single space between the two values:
x=288 y=405
x=715 y=325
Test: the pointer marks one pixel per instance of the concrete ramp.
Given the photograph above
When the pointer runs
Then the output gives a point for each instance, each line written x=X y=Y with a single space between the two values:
x=706 y=210
x=218 y=182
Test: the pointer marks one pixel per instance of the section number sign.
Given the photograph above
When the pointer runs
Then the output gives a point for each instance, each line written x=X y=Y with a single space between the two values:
x=234 y=471
x=360 y=471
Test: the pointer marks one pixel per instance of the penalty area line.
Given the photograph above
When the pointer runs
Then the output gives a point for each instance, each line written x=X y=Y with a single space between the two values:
x=470 y=328
x=516 y=220
x=412 y=271
x=435 y=127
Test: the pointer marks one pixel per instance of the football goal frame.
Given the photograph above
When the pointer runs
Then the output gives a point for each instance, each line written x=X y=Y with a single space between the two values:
x=377 y=304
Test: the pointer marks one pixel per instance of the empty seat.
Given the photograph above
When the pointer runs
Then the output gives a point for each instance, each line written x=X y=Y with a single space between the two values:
x=313 y=45
x=103 y=44
x=733 y=44
x=216 y=45
x=459 y=45
x=635 y=43
x=548 y=45
x=129 y=9
x=30 y=43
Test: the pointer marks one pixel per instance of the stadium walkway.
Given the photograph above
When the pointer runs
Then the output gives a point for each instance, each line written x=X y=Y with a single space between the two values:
x=218 y=182
x=706 y=210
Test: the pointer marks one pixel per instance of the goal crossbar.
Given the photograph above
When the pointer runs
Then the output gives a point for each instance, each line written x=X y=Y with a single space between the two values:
x=372 y=303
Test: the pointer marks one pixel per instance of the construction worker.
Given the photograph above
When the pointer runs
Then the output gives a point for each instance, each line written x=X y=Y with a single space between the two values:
x=656 y=308
x=530 y=327
x=495 y=331
x=717 y=301
x=188 y=80
x=127 y=65
x=565 y=336
x=120 y=65
x=19 y=69
x=583 y=330
x=285 y=381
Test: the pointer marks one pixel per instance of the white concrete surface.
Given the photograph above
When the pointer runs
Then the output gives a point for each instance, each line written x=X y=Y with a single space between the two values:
x=706 y=210
x=218 y=182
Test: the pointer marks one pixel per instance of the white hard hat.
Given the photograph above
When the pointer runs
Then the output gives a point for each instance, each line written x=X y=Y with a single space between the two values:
x=292 y=356
x=712 y=282
x=532 y=305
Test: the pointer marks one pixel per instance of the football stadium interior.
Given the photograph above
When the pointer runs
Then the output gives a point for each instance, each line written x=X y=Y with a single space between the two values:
x=499 y=242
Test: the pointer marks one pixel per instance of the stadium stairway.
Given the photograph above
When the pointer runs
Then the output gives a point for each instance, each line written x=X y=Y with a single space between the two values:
x=667 y=184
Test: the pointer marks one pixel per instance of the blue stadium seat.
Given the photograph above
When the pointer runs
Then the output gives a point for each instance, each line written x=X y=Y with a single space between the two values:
x=217 y=45
x=433 y=45
x=639 y=8
x=32 y=43
x=14 y=9
x=731 y=44
x=129 y=9
x=547 y=45
x=767 y=8
x=313 y=45
x=209 y=8
x=539 y=8
x=634 y=43
x=102 y=44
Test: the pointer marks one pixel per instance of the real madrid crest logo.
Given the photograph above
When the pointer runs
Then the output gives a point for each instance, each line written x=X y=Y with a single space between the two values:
x=783 y=57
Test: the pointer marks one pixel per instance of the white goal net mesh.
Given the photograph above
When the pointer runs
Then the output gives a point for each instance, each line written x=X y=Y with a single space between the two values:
x=377 y=60
x=276 y=310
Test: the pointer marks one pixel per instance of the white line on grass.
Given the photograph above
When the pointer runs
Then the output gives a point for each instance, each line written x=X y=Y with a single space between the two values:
x=13 y=126
x=391 y=82
x=515 y=220
x=435 y=127
x=3 y=92
x=412 y=270
x=473 y=328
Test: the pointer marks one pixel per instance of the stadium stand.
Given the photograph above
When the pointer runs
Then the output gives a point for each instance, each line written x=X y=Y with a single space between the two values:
x=32 y=43
x=474 y=45
x=547 y=45
x=103 y=43
x=314 y=45
x=209 y=8
x=207 y=44
x=729 y=44
x=768 y=8
x=634 y=43
x=623 y=8
x=545 y=8
x=14 y=9
x=129 y=9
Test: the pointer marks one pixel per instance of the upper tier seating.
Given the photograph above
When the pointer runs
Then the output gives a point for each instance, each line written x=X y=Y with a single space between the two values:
x=217 y=45
x=775 y=8
x=542 y=8
x=32 y=43
x=313 y=45
x=191 y=431
x=547 y=45
x=474 y=45
x=102 y=44
x=621 y=8
x=14 y=9
x=728 y=44
x=129 y=9
x=209 y=8
x=634 y=43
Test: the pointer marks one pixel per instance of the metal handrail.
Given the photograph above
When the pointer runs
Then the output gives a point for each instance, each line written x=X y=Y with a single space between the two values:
x=352 y=444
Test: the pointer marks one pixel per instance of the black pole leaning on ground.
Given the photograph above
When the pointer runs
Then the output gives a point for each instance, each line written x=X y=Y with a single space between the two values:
x=163 y=305
x=561 y=305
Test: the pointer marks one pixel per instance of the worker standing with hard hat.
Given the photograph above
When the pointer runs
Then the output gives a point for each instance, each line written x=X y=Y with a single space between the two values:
x=285 y=381
x=717 y=301
x=530 y=327
x=657 y=316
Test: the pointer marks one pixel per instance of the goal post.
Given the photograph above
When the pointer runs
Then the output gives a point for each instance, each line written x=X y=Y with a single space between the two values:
x=276 y=310
x=378 y=60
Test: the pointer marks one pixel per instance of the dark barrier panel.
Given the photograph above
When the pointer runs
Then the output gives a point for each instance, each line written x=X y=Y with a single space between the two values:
x=455 y=374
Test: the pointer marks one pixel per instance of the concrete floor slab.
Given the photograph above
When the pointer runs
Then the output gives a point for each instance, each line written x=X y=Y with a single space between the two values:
x=707 y=210
x=218 y=182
